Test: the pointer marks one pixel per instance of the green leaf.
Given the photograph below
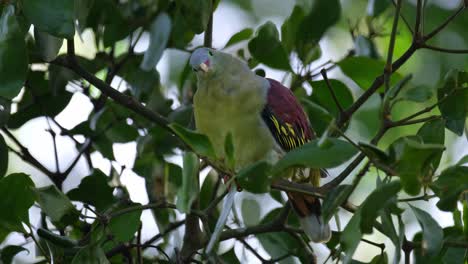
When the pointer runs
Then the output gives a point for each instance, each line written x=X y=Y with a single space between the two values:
x=13 y=55
x=324 y=14
x=242 y=35
x=351 y=236
x=320 y=115
x=374 y=152
x=8 y=253
x=364 y=218
x=3 y=157
x=56 y=205
x=313 y=156
x=121 y=132
x=454 y=107
x=321 y=95
x=160 y=30
x=92 y=254
x=17 y=198
x=420 y=93
x=277 y=244
x=52 y=16
x=97 y=184
x=377 y=7
x=230 y=257
x=47 y=45
x=433 y=235
x=189 y=189
x=5 y=109
x=334 y=199
x=411 y=159
x=255 y=178
x=433 y=132
x=250 y=212
x=363 y=70
x=267 y=48
x=290 y=28
x=196 y=13
x=82 y=10
x=370 y=208
x=123 y=227
x=198 y=142
x=58 y=240
x=449 y=186
x=207 y=189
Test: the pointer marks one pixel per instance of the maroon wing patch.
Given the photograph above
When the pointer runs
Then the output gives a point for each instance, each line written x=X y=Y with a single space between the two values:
x=285 y=117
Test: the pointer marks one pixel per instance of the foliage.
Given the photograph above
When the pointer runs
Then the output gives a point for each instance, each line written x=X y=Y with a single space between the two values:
x=377 y=116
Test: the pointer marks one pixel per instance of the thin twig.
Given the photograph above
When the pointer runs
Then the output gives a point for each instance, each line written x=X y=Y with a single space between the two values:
x=445 y=23
x=388 y=66
x=445 y=50
x=332 y=92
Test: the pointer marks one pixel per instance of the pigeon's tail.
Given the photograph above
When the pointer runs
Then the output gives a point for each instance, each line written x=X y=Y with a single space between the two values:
x=308 y=209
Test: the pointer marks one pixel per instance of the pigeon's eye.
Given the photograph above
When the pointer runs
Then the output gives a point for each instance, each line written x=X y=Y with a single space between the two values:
x=210 y=53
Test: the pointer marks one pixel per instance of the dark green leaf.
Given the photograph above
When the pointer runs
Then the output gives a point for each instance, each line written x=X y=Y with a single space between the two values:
x=255 y=178
x=3 y=157
x=207 y=189
x=198 y=142
x=324 y=14
x=277 y=244
x=448 y=187
x=333 y=200
x=320 y=115
x=124 y=226
x=242 y=35
x=47 y=45
x=351 y=236
x=52 y=16
x=412 y=158
x=433 y=235
x=321 y=95
x=196 y=13
x=313 y=156
x=250 y=212
x=160 y=31
x=121 y=132
x=375 y=201
x=420 y=93
x=5 y=109
x=230 y=257
x=374 y=152
x=17 y=198
x=290 y=28
x=189 y=189
x=13 y=55
x=454 y=107
x=97 y=184
x=82 y=10
x=267 y=48
x=61 y=241
x=104 y=146
x=92 y=254
x=56 y=205
x=377 y=7
x=8 y=253
x=433 y=132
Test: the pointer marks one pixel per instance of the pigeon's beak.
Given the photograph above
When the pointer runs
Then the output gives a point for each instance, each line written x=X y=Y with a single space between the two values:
x=204 y=67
